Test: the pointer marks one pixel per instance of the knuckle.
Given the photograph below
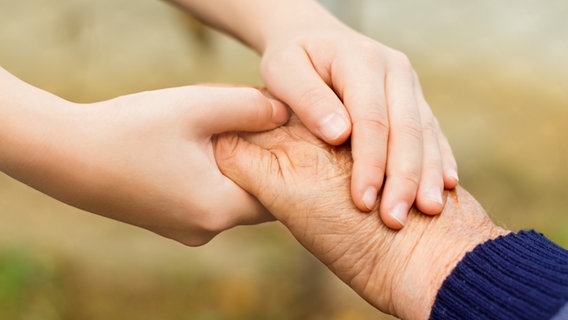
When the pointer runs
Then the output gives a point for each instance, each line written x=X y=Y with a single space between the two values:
x=375 y=119
x=411 y=128
x=370 y=47
x=402 y=60
x=260 y=108
x=311 y=97
x=410 y=179
x=226 y=146
x=429 y=128
x=374 y=164
x=253 y=94
x=370 y=52
x=407 y=174
x=412 y=125
x=255 y=98
x=371 y=157
x=432 y=173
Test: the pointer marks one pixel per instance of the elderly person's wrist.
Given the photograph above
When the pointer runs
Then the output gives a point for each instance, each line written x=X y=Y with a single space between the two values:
x=436 y=245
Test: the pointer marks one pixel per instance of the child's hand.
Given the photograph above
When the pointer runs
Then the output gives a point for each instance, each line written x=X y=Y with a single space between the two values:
x=339 y=83
x=147 y=158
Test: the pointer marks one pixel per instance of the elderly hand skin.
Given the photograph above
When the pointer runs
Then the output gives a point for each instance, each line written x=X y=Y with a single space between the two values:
x=304 y=183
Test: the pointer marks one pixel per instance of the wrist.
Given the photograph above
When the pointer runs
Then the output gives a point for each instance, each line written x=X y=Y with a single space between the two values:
x=39 y=137
x=273 y=22
x=439 y=244
x=32 y=138
x=31 y=117
x=261 y=23
x=449 y=252
x=293 y=19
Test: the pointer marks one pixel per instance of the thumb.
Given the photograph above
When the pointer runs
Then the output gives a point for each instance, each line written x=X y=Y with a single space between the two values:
x=225 y=109
x=291 y=77
x=248 y=165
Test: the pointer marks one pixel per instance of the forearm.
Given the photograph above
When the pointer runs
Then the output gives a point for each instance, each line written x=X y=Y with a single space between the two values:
x=23 y=109
x=31 y=132
x=256 y=22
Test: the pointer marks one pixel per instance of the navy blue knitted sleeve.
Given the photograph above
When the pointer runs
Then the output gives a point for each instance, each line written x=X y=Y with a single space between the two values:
x=517 y=276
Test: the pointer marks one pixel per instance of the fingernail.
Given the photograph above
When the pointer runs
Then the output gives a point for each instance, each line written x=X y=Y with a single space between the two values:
x=370 y=198
x=279 y=112
x=332 y=126
x=452 y=173
x=435 y=195
x=399 y=213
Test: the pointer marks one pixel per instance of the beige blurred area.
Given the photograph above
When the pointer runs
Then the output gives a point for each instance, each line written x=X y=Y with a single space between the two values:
x=494 y=72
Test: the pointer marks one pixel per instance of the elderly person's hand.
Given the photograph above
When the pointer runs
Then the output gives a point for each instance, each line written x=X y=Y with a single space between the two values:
x=304 y=183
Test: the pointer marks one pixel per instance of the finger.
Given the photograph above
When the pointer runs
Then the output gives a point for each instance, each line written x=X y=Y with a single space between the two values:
x=451 y=178
x=248 y=165
x=290 y=76
x=363 y=93
x=223 y=109
x=404 y=159
x=449 y=164
x=429 y=197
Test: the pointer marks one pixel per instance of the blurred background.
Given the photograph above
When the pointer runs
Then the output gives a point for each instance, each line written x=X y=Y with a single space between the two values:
x=494 y=72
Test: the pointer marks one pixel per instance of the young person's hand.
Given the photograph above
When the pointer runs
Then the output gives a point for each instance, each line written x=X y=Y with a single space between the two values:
x=304 y=183
x=340 y=84
x=145 y=159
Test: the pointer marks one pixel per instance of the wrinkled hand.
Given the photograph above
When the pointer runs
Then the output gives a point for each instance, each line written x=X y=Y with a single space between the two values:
x=147 y=158
x=340 y=82
x=304 y=183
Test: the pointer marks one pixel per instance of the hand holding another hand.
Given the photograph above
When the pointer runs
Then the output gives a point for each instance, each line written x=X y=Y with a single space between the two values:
x=340 y=82
x=343 y=84
x=304 y=183
x=145 y=158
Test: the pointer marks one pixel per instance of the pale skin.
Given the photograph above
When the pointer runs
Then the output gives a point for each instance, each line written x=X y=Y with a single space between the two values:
x=341 y=84
x=304 y=183
x=145 y=159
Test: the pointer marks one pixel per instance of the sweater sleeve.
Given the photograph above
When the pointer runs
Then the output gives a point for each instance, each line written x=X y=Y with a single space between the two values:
x=518 y=276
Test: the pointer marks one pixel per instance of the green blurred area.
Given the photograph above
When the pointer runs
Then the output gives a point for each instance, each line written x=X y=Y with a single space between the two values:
x=494 y=73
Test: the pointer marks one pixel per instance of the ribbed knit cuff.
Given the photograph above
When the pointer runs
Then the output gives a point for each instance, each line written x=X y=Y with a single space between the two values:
x=517 y=276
